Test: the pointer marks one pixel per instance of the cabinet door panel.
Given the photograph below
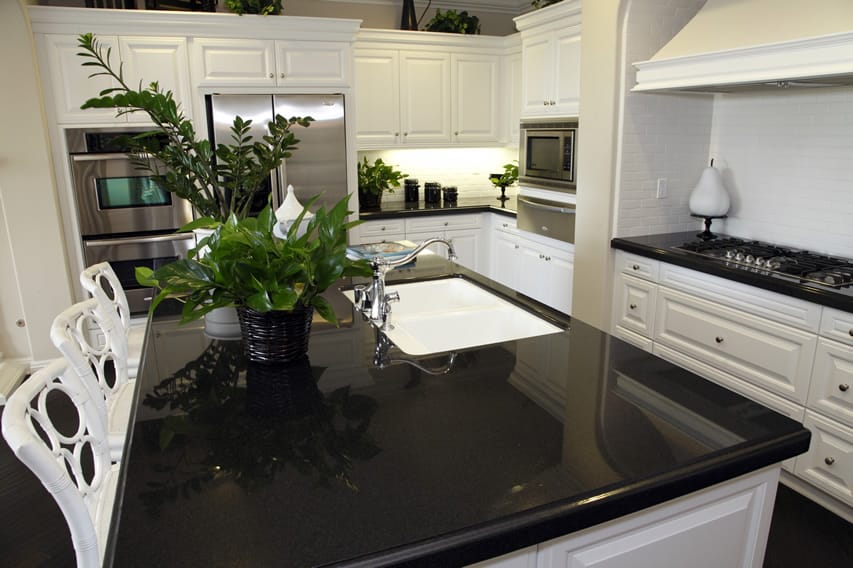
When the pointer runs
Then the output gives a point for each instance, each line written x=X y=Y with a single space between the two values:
x=771 y=355
x=312 y=63
x=242 y=62
x=425 y=100
x=466 y=245
x=537 y=68
x=71 y=83
x=560 y=274
x=829 y=462
x=161 y=59
x=567 y=90
x=830 y=391
x=506 y=259
x=475 y=102
x=377 y=112
x=635 y=304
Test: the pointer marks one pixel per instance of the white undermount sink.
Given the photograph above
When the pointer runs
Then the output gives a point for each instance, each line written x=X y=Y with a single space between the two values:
x=452 y=313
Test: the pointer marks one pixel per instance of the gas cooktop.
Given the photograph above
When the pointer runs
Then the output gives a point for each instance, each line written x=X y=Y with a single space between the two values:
x=769 y=259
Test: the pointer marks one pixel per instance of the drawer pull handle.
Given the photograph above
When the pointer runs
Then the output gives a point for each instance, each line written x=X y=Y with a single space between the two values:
x=636 y=267
x=829 y=461
x=843 y=387
x=541 y=255
x=382 y=228
x=718 y=339
x=633 y=306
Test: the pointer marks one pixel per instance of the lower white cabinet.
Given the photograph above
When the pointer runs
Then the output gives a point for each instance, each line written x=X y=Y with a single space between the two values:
x=378 y=232
x=788 y=354
x=543 y=271
x=724 y=525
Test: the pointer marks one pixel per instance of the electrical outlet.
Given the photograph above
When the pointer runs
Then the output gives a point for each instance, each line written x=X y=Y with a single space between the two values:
x=662 y=191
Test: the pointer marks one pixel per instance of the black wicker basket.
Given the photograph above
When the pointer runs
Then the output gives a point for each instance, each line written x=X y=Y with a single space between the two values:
x=275 y=336
x=283 y=389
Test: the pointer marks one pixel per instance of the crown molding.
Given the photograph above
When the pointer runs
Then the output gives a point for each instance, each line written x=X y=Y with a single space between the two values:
x=513 y=7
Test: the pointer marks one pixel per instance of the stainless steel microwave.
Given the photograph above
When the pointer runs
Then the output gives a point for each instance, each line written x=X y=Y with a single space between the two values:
x=547 y=154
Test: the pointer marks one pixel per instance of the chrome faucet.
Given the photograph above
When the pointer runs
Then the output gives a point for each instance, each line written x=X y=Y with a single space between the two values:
x=372 y=301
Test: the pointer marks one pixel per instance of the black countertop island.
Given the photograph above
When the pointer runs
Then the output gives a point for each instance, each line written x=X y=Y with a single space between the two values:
x=432 y=462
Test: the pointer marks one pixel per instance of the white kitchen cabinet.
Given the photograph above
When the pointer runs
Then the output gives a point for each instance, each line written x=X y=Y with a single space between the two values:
x=542 y=269
x=475 y=106
x=402 y=97
x=378 y=232
x=145 y=59
x=270 y=63
x=791 y=355
x=463 y=231
x=542 y=370
x=725 y=525
x=773 y=356
x=512 y=74
x=829 y=462
x=524 y=558
x=551 y=44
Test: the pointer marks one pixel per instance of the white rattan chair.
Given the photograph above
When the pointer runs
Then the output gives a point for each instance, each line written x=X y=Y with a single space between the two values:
x=101 y=282
x=93 y=342
x=73 y=463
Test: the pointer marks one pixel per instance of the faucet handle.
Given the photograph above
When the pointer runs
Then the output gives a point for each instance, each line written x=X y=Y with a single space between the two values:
x=392 y=296
x=362 y=298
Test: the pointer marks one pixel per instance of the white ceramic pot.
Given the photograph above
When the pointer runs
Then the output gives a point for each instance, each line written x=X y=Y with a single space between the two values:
x=222 y=323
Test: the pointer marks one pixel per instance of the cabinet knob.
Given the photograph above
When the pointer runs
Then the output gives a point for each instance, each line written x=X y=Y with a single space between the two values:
x=718 y=339
x=829 y=460
x=850 y=332
x=516 y=246
x=396 y=134
x=272 y=75
x=405 y=133
x=547 y=258
x=456 y=134
x=633 y=306
x=381 y=228
x=282 y=75
x=843 y=387
x=445 y=223
x=635 y=267
x=505 y=225
x=541 y=255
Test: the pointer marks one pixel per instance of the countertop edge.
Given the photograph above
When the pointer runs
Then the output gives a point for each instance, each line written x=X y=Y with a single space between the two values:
x=378 y=214
x=686 y=260
x=582 y=512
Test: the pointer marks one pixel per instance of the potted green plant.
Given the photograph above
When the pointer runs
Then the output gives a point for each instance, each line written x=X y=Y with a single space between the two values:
x=262 y=7
x=375 y=179
x=183 y=164
x=275 y=284
x=505 y=179
x=454 y=22
x=542 y=3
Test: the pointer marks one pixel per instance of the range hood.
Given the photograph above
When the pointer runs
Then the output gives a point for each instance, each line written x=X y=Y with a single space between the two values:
x=737 y=45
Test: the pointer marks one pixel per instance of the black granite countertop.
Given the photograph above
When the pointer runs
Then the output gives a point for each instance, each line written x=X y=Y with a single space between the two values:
x=395 y=209
x=661 y=247
x=335 y=462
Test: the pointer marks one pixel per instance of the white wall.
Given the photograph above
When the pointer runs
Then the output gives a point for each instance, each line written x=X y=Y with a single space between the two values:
x=34 y=252
x=466 y=168
x=787 y=161
x=663 y=135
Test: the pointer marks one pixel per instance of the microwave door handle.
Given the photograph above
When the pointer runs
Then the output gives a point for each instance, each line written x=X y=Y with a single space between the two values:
x=139 y=240
x=554 y=208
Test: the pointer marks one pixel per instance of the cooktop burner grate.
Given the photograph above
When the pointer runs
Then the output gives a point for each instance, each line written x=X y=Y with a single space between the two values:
x=769 y=259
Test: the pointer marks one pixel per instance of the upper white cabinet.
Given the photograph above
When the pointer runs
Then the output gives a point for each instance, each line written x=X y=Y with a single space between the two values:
x=146 y=59
x=425 y=90
x=474 y=86
x=551 y=44
x=270 y=63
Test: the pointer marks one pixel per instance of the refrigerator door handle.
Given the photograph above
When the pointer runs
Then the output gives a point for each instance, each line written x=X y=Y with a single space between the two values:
x=281 y=174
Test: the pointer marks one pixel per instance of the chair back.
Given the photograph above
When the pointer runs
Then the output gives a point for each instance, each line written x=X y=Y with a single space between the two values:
x=93 y=341
x=101 y=282
x=73 y=463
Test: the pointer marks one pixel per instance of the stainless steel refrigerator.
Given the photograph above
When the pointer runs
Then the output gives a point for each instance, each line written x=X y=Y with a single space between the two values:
x=319 y=164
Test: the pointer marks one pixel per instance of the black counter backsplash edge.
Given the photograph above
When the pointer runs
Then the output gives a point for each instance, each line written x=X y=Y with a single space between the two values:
x=687 y=260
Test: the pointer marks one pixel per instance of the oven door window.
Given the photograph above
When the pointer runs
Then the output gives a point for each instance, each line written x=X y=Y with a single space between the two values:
x=130 y=191
x=126 y=269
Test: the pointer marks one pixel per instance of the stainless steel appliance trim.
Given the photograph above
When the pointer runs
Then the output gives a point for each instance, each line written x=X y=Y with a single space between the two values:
x=566 y=130
x=97 y=157
x=138 y=240
x=551 y=219
x=567 y=209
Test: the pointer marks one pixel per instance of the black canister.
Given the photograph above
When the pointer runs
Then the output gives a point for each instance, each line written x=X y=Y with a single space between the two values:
x=412 y=189
x=450 y=194
x=432 y=192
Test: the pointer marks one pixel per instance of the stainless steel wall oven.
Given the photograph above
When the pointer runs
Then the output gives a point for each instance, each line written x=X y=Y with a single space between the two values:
x=125 y=217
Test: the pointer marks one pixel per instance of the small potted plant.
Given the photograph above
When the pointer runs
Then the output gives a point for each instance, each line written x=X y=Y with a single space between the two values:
x=262 y=7
x=375 y=179
x=451 y=21
x=505 y=179
x=275 y=284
